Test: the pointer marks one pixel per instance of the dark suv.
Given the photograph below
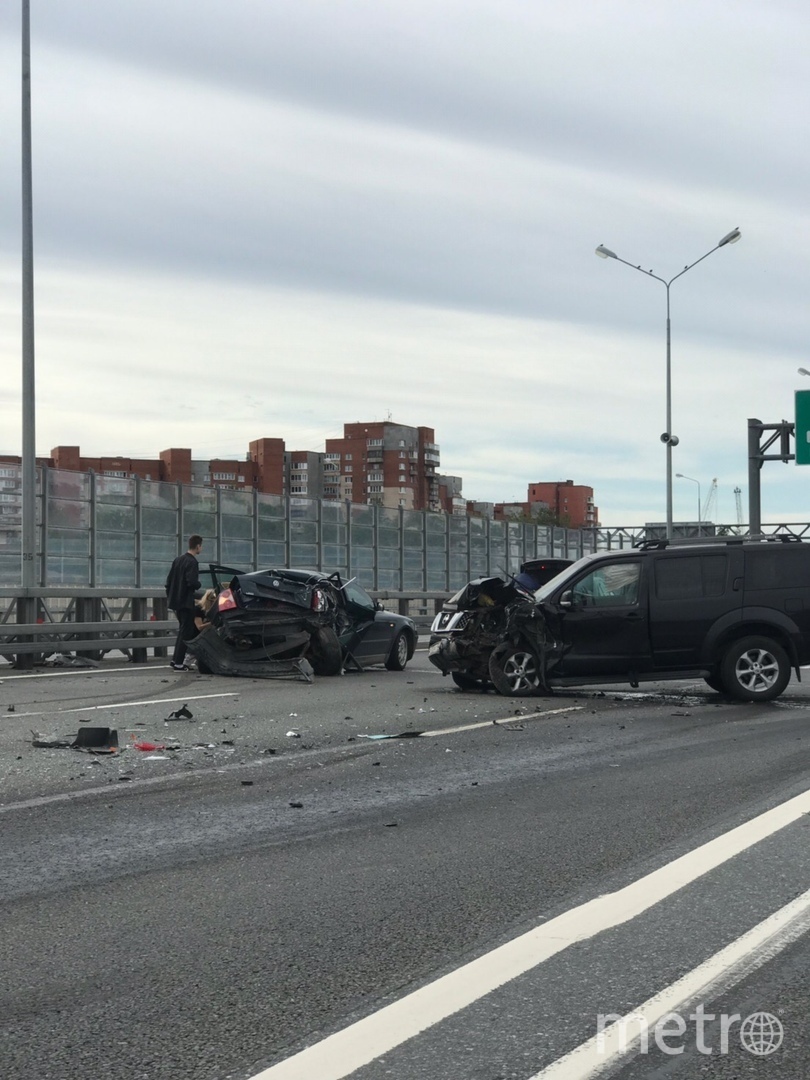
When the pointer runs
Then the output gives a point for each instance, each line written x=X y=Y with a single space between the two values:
x=735 y=612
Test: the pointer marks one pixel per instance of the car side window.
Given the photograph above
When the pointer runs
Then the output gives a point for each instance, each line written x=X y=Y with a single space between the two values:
x=610 y=585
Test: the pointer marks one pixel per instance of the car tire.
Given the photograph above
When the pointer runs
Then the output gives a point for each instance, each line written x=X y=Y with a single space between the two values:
x=324 y=652
x=203 y=668
x=400 y=653
x=515 y=671
x=755 y=669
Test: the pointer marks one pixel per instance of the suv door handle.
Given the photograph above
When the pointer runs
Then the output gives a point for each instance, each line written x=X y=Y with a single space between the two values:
x=633 y=615
x=737 y=584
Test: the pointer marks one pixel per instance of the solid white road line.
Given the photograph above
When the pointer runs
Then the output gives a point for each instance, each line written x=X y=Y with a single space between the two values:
x=713 y=976
x=496 y=723
x=61 y=674
x=127 y=704
x=341 y=1054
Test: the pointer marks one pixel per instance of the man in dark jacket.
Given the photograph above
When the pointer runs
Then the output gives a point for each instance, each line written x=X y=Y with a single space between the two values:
x=182 y=583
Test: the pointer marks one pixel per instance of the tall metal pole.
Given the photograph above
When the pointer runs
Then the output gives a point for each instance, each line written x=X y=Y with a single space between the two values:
x=669 y=419
x=29 y=460
x=667 y=437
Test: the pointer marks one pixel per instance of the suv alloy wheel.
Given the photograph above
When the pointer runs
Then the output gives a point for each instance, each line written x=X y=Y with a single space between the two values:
x=755 y=669
x=515 y=671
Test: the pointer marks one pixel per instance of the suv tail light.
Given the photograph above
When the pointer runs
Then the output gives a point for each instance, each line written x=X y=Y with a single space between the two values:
x=225 y=601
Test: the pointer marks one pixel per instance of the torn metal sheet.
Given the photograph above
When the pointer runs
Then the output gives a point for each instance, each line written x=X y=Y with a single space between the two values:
x=216 y=658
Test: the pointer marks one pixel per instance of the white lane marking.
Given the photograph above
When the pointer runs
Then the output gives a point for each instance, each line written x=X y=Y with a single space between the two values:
x=734 y=962
x=497 y=723
x=127 y=704
x=80 y=671
x=341 y=1054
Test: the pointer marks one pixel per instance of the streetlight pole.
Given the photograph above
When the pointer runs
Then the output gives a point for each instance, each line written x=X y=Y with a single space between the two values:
x=683 y=476
x=667 y=437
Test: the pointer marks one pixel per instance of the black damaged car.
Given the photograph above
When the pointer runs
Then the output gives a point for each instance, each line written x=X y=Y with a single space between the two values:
x=269 y=622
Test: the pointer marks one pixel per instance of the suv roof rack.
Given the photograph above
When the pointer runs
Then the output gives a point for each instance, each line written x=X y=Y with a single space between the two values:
x=686 y=541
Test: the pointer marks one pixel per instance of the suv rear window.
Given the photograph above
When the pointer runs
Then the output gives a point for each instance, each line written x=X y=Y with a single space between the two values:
x=777 y=568
x=690 y=576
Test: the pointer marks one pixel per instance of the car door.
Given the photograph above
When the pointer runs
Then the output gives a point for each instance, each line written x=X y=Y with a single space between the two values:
x=369 y=637
x=693 y=595
x=601 y=621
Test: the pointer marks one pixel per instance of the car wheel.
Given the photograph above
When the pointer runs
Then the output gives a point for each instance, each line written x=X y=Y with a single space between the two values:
x=468 y=682
x=755 y=669
x=398 y=657
x=515 y=671
x=324 y=652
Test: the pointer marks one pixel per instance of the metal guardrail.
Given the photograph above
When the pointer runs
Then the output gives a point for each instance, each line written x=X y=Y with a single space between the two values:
x=74 y=629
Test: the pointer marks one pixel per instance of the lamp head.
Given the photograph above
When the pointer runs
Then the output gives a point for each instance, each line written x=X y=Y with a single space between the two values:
x=730 y=238
x=803 y=371
x=605 y=253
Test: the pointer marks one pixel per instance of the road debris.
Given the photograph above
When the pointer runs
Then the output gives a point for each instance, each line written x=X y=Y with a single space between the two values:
x=183 y=713
x=90 y=740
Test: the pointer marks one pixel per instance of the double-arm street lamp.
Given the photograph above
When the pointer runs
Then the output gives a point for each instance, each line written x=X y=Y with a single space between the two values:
x=683 y=476
x=668 y=438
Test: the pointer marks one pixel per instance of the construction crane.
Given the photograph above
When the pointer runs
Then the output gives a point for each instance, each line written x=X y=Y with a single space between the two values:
x=709 y=502
x=738 y=501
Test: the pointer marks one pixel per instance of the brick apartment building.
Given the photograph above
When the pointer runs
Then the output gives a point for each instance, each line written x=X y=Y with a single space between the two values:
x=570 y=503
x=385 y=463
x=381 y=462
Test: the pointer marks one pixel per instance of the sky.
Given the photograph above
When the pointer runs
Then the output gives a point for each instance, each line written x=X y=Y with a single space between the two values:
x=268 y=218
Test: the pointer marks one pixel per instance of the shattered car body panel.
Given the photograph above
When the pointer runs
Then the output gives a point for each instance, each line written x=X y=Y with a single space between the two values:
x=492 y=614
x=485 y=614
x=283 y=617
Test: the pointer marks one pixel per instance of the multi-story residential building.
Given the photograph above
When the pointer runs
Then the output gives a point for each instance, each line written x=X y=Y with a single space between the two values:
x=571 y=503
x=380 y=462
x=386 y=463
x=568 y=503
x=303 y=475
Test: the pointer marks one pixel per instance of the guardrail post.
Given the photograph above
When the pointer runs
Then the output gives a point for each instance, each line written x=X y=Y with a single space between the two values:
x=160 y=612
x=138 y=615
x=88 y=609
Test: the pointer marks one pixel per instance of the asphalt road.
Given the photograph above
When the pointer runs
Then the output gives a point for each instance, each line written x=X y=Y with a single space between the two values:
x=273 y=876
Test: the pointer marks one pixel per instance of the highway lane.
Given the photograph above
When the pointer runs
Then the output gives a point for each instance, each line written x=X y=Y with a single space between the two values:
x=191 y=922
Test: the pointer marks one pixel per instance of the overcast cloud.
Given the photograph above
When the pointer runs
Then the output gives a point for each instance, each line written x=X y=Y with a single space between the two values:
x=268 y=217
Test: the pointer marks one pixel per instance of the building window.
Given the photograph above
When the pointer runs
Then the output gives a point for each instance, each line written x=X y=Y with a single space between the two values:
x=223 y=476
x=374 y=442
x=347 y=457
x=347 y=468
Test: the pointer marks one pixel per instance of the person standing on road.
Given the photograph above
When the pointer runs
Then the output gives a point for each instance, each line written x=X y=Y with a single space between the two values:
x=182 y=583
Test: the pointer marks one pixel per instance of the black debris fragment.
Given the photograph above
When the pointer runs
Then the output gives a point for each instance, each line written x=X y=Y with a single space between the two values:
x=183 y=713
x=297 y=805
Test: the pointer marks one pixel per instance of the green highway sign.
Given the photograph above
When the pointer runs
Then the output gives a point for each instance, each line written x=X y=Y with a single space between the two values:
x=803 y=427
